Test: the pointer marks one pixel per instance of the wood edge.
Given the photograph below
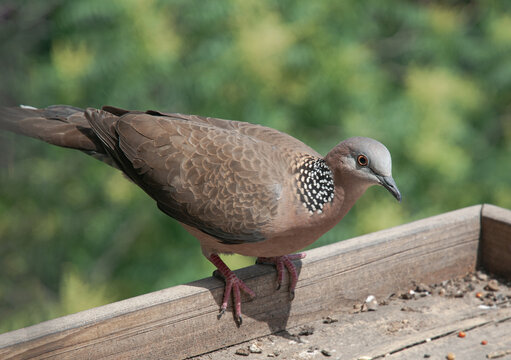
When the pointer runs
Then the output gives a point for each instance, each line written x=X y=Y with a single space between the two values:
x=119 y=308
x=352 y=244
x=108 y=311
x=494 y=253
x=496 y=213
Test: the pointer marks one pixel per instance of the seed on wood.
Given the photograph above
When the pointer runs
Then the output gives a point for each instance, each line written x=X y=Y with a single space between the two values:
x=329 y=320
x=255 y=349
x=493 y=285
x=242 y=352
x=326 y=352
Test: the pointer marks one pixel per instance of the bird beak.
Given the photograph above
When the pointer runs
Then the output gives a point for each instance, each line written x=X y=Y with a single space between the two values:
x=388 y=183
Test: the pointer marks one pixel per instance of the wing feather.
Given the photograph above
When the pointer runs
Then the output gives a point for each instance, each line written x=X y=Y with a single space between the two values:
x=213 y=178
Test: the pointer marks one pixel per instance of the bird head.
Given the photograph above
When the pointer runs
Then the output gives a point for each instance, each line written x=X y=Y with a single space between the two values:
x=367 y=161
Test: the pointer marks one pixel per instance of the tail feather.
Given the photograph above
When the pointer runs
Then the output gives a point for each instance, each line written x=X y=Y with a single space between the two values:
x=60 y=125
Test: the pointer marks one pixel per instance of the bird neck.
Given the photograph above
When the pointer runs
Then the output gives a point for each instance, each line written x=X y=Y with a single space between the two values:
x=314 y=183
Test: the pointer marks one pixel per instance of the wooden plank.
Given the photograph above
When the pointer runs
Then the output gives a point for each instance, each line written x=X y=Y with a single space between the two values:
x=181 y=321
x=497 y=332
x=495 y=249
x=428 y=326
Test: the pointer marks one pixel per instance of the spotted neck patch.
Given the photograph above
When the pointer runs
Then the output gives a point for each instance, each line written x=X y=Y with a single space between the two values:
x=314 y=183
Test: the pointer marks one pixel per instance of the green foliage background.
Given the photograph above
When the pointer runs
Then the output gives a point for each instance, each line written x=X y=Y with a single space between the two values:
x=430 y=79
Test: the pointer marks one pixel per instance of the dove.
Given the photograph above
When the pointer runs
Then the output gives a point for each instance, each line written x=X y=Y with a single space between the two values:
x=239 y=188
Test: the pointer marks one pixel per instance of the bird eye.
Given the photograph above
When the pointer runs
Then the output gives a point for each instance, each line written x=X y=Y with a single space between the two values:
x=362 y=160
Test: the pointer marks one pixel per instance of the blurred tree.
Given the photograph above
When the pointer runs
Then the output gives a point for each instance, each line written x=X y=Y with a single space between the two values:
x=430 y=79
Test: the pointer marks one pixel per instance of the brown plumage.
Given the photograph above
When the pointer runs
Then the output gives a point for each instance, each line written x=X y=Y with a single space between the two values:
x=237 y=187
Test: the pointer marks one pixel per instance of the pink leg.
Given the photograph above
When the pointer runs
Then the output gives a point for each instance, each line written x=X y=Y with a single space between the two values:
x=280 y=262
x=232 y=286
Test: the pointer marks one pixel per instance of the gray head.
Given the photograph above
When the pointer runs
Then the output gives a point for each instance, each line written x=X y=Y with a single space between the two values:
x=368 y=160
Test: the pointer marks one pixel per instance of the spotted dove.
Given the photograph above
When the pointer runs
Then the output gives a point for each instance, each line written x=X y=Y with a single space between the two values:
x=237 y=187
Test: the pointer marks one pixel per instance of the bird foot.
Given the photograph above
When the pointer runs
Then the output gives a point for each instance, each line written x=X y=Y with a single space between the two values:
x=280 y=262
x=233 y=287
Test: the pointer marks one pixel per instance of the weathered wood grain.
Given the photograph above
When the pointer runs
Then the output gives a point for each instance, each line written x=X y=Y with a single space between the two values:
x=495 y=249
x=402 y=329
x=496 y=330
x=181 y=321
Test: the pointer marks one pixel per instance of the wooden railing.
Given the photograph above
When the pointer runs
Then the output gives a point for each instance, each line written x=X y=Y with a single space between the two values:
x=181 y=321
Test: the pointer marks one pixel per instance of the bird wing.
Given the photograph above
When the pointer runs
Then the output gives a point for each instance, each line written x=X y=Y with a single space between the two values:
x=255 y=131
x=269 y=135
x=206 y=173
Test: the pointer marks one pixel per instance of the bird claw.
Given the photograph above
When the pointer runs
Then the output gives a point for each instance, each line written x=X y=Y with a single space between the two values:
x=280 y=263
x=233 y=285
x=233 y=288
x=221 y=313
x=237 y=318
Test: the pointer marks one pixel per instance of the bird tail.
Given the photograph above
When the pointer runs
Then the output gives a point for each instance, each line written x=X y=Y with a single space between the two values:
x=60 y=125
